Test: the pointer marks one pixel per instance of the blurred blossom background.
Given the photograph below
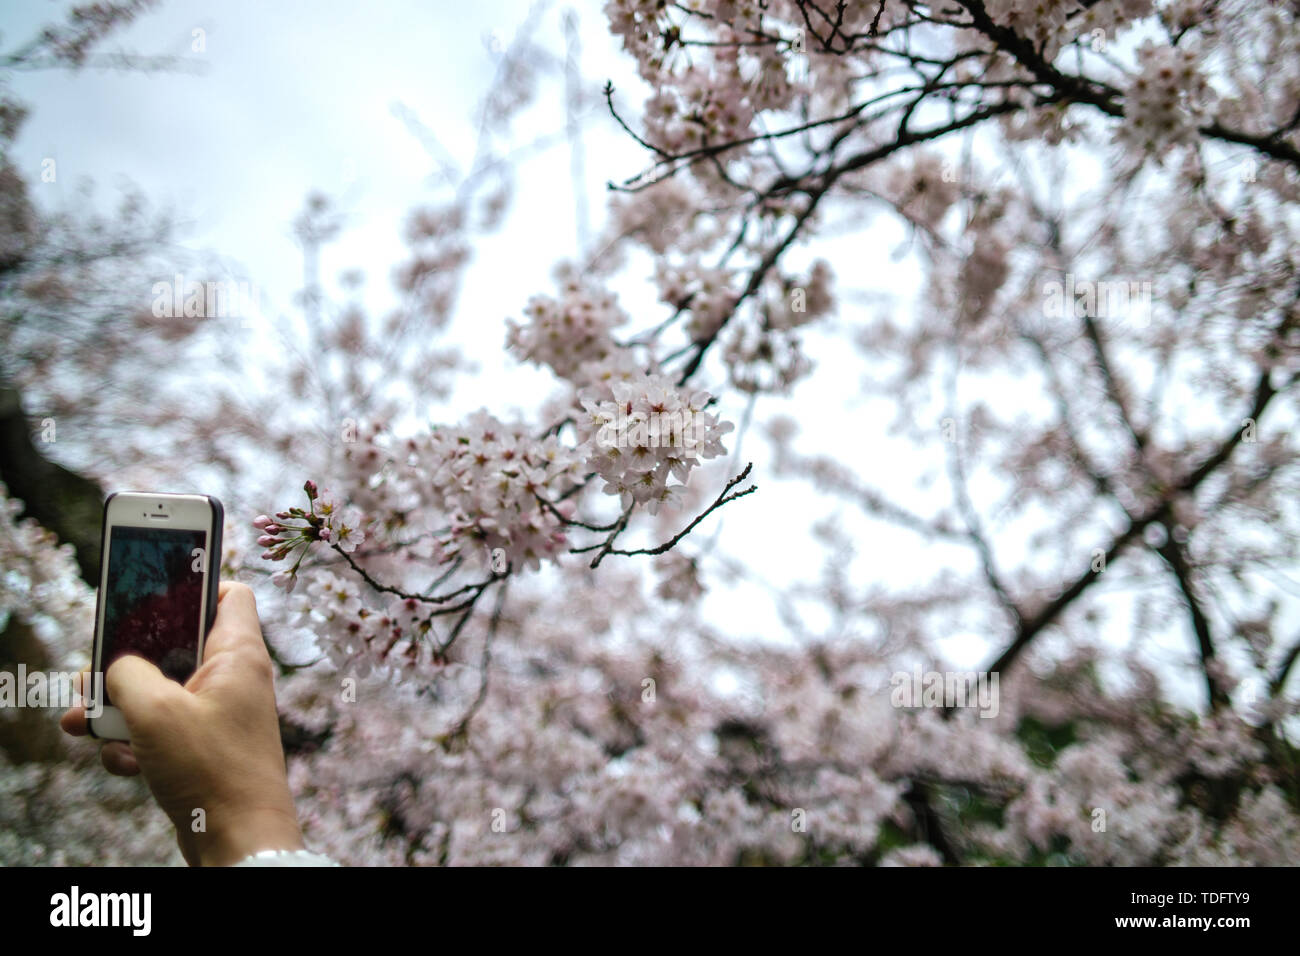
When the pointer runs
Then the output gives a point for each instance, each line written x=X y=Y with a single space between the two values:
x=987 y=318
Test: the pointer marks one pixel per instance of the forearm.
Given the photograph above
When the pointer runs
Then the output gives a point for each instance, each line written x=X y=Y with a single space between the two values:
x=236 y=836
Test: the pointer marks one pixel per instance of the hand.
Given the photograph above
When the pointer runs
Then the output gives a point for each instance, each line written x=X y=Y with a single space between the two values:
x=211 y=745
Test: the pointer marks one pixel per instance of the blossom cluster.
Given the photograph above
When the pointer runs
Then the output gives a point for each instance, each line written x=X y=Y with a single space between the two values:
x=697 y=111
x=679 y=578
x=1041 y=21
x=1110 y=16
x=295 y=530
x=801 y=300
x=565 y=333
x=40 y=582
x=923 y=188
x=598 y=378
x=764 y=359
x=808 y=763
x=706 y=292
x=68 y=812
x=662 y=217
x=499 y=488
x=646 y=434
x=776 y=79
x=638 y=23
x=1167 y=100
x=358 y=638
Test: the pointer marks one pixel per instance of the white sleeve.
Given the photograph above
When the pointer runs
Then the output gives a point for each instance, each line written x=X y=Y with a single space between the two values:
x=286 y=858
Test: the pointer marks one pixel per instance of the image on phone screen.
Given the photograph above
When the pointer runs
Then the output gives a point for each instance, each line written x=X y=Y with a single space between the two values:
x=153 y=598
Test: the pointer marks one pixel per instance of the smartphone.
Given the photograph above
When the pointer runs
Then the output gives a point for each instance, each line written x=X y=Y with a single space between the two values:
x=159 y=567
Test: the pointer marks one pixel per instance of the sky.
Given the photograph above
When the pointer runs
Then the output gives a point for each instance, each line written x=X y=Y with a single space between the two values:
x=281 y=99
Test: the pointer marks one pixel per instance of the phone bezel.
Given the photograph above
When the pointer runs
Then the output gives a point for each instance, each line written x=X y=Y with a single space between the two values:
x=132 y=509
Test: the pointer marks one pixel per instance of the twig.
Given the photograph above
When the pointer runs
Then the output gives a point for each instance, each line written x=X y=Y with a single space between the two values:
x=462 y=726
x=723 y=497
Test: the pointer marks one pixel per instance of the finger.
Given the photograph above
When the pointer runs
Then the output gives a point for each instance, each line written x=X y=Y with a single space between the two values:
x=140 y=690
x=237 y=624
x=73 y=720
x=237 y=599
x=118 y=759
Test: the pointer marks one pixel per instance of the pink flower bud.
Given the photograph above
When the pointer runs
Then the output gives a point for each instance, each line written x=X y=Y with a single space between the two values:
x=310 y=488
x=261 y=521
x=267 y=540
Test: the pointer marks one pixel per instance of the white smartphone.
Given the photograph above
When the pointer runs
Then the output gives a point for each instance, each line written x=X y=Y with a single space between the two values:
x=159 y=566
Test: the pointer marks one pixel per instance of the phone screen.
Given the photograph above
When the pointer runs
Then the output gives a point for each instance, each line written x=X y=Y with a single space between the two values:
x=154 y=598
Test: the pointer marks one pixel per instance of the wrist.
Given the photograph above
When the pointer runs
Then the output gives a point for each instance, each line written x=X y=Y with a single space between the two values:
x=239 y=835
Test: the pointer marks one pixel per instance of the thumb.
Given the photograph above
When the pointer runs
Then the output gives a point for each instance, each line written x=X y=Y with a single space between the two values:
x=140 y=690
